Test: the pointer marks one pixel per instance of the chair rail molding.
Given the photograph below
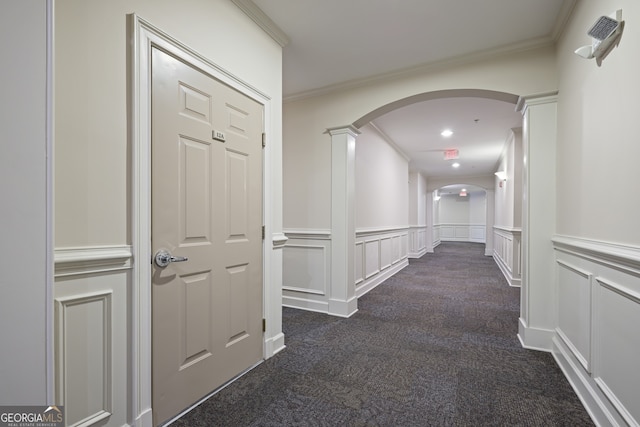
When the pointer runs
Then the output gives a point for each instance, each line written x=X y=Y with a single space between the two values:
x=91 y=259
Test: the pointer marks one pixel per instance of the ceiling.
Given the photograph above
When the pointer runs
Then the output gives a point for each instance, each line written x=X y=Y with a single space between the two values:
x=334 y=44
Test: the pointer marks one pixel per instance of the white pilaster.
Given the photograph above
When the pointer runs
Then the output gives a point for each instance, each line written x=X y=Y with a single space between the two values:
x=491 y=208
x=430 y=207
x=342 y=300
x=537 y=297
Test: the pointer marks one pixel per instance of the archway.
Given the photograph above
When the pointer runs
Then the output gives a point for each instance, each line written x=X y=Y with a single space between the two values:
x=463 y=213
x=438 y=94
x=485 y=178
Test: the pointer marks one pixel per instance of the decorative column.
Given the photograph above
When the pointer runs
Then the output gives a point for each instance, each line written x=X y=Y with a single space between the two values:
x=537 y=295
x=490 y=201
x=342 y=297
x=428 y=240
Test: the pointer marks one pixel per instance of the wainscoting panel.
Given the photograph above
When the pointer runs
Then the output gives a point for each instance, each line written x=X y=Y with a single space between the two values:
x=359 y=263
x=306 y=267
x=574 y=326
x=379 y=254
x=597 y=341
x=371 y=258
x=618 y=346
x=437 y=235
x=462 y=233
x=417 y=241
x=306 y=270
x=91 y=341
x=384 y=251
x=507 y=253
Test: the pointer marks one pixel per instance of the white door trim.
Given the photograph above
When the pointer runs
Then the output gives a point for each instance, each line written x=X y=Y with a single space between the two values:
x=49 y=266
x=143 y=37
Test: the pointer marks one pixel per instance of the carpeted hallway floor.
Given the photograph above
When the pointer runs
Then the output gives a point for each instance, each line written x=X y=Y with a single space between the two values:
x=435 y=345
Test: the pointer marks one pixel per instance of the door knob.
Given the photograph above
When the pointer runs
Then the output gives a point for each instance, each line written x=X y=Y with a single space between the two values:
x=164 y=258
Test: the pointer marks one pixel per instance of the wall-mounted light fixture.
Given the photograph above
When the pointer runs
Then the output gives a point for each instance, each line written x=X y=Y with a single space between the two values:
x=605 y=35
x=502 y=175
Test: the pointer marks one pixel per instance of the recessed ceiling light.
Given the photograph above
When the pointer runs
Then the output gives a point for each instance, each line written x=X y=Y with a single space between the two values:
x=446 y=133
x=455 y=165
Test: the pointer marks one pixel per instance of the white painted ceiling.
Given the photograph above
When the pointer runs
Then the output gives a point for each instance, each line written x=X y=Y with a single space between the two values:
x=337 y=43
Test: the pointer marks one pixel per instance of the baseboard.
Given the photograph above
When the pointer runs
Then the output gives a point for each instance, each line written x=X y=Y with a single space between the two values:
x=305 y=304
x=342 y=308
x=418 y=254
x=513 y=282
x=144 y=419
x=380 y=277
x=534 y=338
x=274 y=345
x=599 y=409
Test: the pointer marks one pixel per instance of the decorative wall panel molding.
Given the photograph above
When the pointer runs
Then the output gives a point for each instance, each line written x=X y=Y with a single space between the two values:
x=507 y=252
x=417 y=241
x=306 y=273
x=91 y=317
x=597 y=343
x=574 y=326
x=83 y=355
x=306 y=268
x=436 y=235
x=462 y=233
x=379 y=255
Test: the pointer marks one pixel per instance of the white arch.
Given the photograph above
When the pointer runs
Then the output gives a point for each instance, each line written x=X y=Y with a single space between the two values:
x=438 y=94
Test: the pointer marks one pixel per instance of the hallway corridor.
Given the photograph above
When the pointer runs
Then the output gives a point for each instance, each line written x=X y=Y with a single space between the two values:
x=434 y=345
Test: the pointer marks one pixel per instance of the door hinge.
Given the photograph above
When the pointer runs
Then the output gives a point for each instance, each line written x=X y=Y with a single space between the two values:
x=263 y=233
x=264 y=139
x=264 y=325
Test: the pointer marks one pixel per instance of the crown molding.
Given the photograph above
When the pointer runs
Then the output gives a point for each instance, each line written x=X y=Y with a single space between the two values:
x=259 y=17
x=563 y=18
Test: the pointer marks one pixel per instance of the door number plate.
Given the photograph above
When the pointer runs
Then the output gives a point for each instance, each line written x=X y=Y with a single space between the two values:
x=218 y=136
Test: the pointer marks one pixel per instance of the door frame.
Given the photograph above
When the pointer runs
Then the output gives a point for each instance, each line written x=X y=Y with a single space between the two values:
x=143 y=37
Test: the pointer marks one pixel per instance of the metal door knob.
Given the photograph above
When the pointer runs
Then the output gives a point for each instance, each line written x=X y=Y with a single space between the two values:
x=164 y=258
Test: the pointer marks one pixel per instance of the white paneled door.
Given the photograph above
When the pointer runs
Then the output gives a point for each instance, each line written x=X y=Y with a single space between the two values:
x=207 y=215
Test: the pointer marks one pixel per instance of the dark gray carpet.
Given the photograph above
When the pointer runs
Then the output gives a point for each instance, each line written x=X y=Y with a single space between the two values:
x=435 y=345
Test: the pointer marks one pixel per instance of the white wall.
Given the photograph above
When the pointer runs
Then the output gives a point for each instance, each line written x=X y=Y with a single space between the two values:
x=23 y=173
x=598 y=133
x=462 y=219
x=91 y=98
x=382 y=210
x=471 y=209
x=597 y=247
x=381 y=189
